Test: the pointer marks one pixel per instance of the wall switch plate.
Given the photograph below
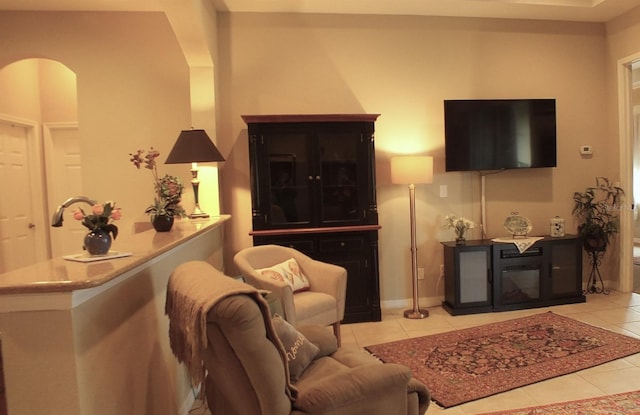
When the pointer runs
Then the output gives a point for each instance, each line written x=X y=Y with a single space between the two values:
x=586 y=150
x=420 y=273
x=443 y=190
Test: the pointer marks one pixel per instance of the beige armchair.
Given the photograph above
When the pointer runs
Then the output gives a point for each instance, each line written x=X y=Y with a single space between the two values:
x=248 y=361
x=323 y=303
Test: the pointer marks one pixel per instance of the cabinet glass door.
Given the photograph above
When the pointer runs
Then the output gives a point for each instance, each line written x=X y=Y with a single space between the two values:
x=338 y=155
x=473 y=276
x=564 y=268
x=520 y=283
x=289 y=177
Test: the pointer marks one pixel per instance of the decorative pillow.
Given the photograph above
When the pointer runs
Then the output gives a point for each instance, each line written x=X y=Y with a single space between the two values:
x=288 y=271
x=300 y=351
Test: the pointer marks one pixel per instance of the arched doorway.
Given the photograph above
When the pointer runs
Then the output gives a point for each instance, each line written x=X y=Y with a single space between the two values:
x=39 y=157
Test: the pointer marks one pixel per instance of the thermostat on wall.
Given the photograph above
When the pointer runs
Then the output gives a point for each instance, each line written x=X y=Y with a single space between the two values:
x=586 y=150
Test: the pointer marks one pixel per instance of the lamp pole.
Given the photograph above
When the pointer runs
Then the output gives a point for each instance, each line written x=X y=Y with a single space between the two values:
x=415 y=312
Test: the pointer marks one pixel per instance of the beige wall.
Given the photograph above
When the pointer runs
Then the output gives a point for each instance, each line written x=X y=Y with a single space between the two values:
x=132 y=89
x=40 y=90
x=20 y=90
x=403 y=68
x=133 y=92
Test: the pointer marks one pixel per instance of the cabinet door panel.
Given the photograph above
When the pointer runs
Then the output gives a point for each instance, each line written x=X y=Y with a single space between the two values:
x=358 y=289
x=473 y=276
x=289 y=173
x=339 y=177
x=565 y=262
x=342 y=245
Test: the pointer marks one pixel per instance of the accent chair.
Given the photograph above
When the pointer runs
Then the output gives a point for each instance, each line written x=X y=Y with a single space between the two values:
x=321 y=300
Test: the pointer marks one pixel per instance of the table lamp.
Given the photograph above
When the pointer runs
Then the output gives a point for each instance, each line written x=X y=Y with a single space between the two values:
x=194 y=146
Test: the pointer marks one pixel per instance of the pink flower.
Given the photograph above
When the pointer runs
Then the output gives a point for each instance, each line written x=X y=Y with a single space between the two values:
x=78 y=214
x=97 y=209
x=116 y=214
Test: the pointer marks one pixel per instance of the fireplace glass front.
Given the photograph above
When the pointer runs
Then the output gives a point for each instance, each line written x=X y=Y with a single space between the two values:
x=520 y=277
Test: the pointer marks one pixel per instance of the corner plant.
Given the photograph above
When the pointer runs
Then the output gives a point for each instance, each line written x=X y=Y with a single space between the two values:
x=597 y=210
x=168 y=189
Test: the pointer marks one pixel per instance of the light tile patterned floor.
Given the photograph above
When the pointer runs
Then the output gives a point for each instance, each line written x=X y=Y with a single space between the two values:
x=617 y=312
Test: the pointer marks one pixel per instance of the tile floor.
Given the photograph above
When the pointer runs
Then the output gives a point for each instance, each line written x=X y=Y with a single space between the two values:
x=617 y=312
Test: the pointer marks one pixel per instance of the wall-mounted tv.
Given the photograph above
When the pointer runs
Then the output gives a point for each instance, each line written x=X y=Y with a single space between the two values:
x=496 y=134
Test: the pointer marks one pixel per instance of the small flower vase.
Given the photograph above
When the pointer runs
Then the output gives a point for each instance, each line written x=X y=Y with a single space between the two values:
x=162 y=223
x=97 y=242
x=460 y=239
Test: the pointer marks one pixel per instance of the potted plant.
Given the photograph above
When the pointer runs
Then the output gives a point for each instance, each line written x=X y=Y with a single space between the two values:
x=597 y=211
x=99 y=222
x=168 y=192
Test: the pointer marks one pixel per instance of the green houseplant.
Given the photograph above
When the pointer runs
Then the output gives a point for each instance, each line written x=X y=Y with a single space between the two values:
x=168 y=191
x=597 y=211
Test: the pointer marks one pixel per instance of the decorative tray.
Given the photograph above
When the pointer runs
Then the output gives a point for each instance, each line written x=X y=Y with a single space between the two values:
x=85 y=257
x=517 y=225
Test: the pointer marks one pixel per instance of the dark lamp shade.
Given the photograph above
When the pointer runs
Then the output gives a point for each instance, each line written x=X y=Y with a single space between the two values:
x=193 y=146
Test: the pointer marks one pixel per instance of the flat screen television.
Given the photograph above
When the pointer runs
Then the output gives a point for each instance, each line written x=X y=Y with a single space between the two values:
x=497 y=134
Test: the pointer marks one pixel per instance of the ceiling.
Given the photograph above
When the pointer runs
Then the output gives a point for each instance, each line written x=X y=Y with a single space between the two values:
x=570 y=10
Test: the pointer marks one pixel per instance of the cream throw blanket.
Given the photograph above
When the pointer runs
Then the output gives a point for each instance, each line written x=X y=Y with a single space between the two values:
x=193 y=289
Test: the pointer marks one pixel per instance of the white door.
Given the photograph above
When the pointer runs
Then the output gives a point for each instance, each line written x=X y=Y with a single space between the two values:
x=22 y=234
x=64 y=180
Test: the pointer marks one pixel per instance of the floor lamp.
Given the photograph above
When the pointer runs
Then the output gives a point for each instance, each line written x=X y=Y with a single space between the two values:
x=412 y=170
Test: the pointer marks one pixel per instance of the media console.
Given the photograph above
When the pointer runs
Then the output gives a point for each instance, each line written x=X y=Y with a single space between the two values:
x=484 y=276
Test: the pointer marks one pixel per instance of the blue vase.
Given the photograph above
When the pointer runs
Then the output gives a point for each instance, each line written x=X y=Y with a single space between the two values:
x=97 y=242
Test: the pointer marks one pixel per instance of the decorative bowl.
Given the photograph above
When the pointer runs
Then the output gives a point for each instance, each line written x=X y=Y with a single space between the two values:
x=517 y=225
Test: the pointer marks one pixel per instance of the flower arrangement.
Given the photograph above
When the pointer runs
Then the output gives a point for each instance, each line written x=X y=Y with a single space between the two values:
x=100 y=217
x=168 y=189
x=459 y=225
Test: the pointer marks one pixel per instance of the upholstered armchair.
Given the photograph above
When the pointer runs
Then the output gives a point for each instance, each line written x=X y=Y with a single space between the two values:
x=320 y=301
x=253 y=363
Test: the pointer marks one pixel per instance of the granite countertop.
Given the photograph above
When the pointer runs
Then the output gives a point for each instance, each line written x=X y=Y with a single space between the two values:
x=62 y=275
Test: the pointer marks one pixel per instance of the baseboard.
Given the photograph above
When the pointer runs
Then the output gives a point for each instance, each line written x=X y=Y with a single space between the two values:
x=424 y=302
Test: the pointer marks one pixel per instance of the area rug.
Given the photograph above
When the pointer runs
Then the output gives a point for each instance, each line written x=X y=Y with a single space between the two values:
x=469 y=364
x=627 y=403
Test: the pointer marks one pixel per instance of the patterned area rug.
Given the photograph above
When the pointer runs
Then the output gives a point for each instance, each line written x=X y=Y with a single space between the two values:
x=622 y=403
x=465 y=365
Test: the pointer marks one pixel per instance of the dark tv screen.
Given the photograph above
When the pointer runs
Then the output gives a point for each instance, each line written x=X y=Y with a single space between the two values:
x=499 y=134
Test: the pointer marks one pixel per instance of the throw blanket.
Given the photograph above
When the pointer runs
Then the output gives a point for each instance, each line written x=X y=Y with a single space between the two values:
x=193 y=289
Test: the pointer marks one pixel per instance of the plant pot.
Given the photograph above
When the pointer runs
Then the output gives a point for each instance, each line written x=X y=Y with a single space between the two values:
x=97 y=242
x=162 y=223
x=594 y=243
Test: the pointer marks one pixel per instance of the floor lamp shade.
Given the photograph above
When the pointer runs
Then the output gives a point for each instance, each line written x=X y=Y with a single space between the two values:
x=194 y=146
x=412 y=170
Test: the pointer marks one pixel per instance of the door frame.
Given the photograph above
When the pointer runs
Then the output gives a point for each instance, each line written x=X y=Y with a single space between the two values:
x=625 y=130
x=36 y=184
x=57 y=242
